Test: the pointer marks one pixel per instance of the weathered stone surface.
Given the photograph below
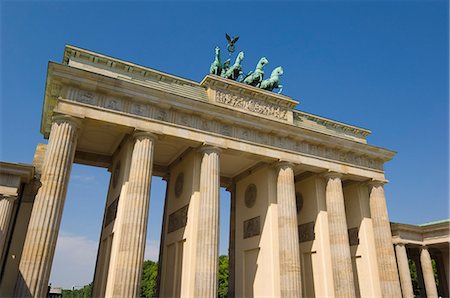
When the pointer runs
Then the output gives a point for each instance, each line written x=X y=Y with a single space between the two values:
x=127 y=255
x=178 y=219
x=208 y=226
x=252 y=227
x=389 y=280
x=344 y=285
x=428 y=274
x=290 y=272
x=403 y=269
x=306 y=232
x=43 y=228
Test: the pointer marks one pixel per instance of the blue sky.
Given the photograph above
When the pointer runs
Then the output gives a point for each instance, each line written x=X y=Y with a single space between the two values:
x=381 y=65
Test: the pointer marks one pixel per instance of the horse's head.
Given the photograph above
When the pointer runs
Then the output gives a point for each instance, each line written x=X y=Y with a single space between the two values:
x=263 y=61
x=240 y=57
x=277 y=72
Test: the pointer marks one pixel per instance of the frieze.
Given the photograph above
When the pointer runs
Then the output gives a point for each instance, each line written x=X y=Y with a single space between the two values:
x=252 y=227
x=195 y=121
x=178 y=219
x=252 y=104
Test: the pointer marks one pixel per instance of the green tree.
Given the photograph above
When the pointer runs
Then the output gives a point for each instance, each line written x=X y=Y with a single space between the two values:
x=149 y=275
x=84 y=292
x=223 y=277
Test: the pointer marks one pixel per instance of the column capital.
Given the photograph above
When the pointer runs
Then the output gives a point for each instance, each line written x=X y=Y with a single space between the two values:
x=423 y=247
x=400 y=244
x=9 y=198
x=332 y=175
x=139 y=135
x=376 y=183
x=75 y=121
x=210 y=149
x=283 y=164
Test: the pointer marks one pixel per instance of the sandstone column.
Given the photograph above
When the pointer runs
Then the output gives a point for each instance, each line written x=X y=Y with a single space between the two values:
x=6 y=207
x=43 y=228
x=290 y=274
x=207 y=256
x=126 y=269
x=403 y=269
x=389 y=280
x=341 y=262
x=428 y=274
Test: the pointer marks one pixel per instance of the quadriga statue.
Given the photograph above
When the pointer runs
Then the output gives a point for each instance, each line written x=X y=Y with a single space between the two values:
x=236 y=69
x=274 y=80
x=216 y=66
x=255 y=78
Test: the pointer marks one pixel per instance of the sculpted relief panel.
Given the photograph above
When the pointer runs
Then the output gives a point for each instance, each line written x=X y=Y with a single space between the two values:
x=197 y=121
x=252 y=105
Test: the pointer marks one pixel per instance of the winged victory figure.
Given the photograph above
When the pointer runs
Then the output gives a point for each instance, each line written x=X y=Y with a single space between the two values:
x=231 y=42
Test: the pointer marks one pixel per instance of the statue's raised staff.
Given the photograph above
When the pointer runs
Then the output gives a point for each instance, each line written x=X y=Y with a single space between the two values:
x=236 y=69
x=255 y=78
x=216 y=66
x=274 y=80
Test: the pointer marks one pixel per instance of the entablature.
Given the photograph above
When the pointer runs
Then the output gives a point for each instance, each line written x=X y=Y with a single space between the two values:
x=214 y=89
x=211 y=116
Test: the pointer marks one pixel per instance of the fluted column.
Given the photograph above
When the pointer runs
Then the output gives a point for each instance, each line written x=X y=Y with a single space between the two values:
x=43 y=228
x=207 y=256
x=427 y=272
x=341 y=262
x=126 y=269
x=403 y=269
x=290 y=274
x=387 y=268
x=6 y=207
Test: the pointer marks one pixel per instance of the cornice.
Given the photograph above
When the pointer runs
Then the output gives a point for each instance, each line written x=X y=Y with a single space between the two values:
x=24 y=171
x=96 y=58
x=300 y=117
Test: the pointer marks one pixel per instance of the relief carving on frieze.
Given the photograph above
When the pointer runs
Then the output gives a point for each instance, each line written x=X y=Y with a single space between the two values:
x=252 y=227
x=225 y=129
x=178 y=219
x=306 y=232
x=353 y=237
x=252 y=105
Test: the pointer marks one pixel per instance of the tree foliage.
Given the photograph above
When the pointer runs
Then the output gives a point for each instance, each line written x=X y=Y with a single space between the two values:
x=84 y=292
x=148 y=282
x=149 y=275
x=223 y=276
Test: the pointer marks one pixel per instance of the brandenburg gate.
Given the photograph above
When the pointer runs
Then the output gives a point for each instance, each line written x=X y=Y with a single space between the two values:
x=308 y=210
